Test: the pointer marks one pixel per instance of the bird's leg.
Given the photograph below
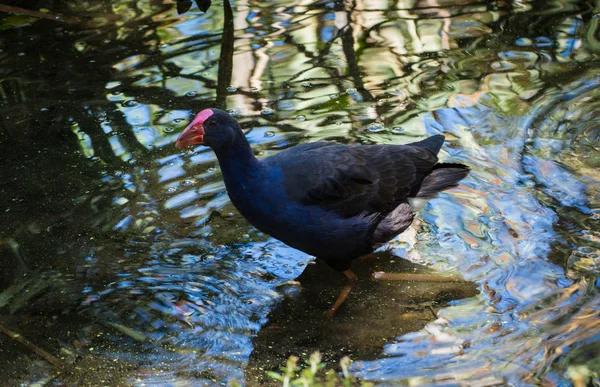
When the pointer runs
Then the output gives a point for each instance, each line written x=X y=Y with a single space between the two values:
x=368 y=257
x=344 y=293
x=350 y=275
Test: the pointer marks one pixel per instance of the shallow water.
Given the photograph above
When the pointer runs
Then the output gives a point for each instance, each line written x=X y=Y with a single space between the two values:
x=123 y=255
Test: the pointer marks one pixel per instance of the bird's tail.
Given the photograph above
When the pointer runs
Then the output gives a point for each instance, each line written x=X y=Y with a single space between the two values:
x=432 y=144
x=443 y=176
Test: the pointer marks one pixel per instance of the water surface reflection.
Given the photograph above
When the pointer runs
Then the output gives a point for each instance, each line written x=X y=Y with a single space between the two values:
x=172 y=286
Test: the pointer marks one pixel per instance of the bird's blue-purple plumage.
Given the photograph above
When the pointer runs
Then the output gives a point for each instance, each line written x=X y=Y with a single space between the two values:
x=336 y=202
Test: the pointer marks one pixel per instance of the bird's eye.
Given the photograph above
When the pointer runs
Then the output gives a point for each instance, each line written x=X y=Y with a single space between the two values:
x=212 y=123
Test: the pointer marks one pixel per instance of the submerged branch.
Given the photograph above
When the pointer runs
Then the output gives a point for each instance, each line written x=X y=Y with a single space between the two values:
x=41 y=15
x=40 y=352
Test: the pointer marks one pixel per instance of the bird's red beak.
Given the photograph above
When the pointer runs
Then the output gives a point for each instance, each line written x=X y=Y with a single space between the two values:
x=194 y=133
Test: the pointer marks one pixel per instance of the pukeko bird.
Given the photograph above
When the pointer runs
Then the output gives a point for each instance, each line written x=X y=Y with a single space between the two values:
x=335 y=202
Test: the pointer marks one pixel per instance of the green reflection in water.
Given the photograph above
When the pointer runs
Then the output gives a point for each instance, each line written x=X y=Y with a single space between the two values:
x=128 y=254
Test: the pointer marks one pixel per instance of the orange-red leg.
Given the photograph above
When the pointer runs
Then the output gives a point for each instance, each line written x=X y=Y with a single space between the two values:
x=343 y=294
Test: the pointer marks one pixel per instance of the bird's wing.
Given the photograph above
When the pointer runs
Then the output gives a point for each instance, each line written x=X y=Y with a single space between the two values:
x=353 y=180
x=302 y=148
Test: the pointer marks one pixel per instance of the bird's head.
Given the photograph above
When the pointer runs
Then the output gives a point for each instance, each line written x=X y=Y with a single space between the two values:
x=212 y=127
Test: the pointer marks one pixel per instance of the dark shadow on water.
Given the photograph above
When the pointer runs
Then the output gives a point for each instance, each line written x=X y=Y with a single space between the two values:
x=375 y=314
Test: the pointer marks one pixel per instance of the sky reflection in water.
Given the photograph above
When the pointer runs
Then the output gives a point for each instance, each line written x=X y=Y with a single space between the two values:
x=170 y=259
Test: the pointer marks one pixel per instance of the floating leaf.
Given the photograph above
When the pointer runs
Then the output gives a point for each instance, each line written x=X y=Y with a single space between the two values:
x=136 y=335
x=183 y=6
x=11 y=291
x=203 y=5
x=16 y=21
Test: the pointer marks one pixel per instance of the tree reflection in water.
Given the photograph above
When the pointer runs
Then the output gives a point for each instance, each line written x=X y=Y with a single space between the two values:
x=129 y=250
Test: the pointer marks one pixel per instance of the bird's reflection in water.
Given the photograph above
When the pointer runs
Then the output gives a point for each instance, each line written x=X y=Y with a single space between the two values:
x=376 y=312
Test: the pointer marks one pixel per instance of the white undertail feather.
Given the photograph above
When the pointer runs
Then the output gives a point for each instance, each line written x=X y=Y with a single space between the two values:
x=417 y=204
x=409 y=239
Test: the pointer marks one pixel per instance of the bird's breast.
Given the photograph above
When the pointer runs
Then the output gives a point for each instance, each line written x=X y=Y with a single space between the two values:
x=311 y=229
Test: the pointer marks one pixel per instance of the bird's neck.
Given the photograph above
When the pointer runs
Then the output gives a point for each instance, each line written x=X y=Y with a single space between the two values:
x=237 y=161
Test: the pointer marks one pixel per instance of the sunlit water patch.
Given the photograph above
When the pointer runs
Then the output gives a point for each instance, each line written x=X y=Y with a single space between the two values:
x=502 y=236
x=188 y=310
x=148 y=265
